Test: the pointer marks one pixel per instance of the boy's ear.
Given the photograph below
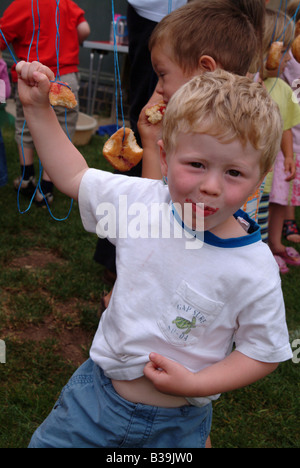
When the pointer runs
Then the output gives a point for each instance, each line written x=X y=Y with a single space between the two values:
x=207 y=63
x=163 y=158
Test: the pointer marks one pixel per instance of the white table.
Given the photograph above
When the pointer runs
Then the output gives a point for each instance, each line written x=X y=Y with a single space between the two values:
x=101 y=48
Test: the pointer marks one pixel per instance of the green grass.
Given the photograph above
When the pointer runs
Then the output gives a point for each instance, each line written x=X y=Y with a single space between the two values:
x=49 y=313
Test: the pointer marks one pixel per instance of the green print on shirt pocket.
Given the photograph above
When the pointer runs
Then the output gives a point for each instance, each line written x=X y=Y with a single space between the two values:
x=188 y=315
x=180 y=329
x=183 y=324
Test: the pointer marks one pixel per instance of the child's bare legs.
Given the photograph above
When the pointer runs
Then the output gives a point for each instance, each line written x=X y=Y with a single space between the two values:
x=276 y=220
x=28 y=156
x=290 y=212
x=290 y=255
x=290 y=227
x=28 y=182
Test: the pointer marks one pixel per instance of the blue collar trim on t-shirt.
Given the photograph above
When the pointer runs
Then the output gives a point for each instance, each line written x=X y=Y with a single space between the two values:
x=209 y=238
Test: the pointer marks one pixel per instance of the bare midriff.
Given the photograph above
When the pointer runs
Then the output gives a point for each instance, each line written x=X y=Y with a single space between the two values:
x=141 y=390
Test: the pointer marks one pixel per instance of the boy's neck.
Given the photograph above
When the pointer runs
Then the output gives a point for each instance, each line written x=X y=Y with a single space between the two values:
x=230 y=229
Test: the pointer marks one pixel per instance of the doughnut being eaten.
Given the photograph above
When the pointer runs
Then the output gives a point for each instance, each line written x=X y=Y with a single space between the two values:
x=155 y=113
x=275 y=55
x=296 y=48
x=60 y=94
x=122 y=151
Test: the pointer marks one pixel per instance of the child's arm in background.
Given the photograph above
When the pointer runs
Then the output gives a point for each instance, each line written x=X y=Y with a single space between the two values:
x=83 y=31
x=235 y=371
x=59 y=157
x=4 y=76
x=287 y=150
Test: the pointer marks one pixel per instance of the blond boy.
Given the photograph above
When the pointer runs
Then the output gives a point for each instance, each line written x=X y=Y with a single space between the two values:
x=162 y=355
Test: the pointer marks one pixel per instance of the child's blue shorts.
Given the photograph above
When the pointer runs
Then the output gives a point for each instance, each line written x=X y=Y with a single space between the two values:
x=90 y=414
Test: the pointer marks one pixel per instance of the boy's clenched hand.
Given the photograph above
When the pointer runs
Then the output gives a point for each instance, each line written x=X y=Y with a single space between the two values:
x=169 y=377
x=34 y=83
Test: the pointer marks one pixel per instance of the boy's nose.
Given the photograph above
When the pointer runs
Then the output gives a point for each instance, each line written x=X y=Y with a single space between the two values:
x=211 y=185
x=159 y=88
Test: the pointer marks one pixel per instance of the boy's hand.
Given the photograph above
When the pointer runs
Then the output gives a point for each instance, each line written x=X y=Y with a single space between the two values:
x=149 y=133
x=34 y=84
x=168 y=376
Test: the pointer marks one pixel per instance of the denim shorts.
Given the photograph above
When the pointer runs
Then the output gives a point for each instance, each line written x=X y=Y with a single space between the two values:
x=90 y=414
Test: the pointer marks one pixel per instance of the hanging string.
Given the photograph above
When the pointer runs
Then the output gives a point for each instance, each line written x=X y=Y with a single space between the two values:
x=274 y=30
x=57 y=79
x=285 y=18
x=292 y=19
x=24 y=125
x=118 y=85
x=57 y=39
x=33 y=34
x=9 y=49
x=57 y=22
x=282 y=36
x=23 y=174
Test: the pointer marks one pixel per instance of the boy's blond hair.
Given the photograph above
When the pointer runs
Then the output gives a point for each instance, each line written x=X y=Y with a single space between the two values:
x=227 y=107
x=217 y=28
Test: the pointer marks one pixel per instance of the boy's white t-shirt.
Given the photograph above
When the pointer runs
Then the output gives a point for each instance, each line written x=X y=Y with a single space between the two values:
x=171 y=297
x=155 y=10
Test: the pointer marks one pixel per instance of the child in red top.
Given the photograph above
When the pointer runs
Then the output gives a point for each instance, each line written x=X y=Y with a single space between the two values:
x=17 y=25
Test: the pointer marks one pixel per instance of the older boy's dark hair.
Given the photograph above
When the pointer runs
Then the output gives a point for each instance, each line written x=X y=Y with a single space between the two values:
x=228 y=31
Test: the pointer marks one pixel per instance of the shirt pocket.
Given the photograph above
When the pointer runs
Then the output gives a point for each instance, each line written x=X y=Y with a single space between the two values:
x=188 y=316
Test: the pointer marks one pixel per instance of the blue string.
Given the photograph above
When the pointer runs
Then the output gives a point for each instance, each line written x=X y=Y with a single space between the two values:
x=24 y=125
x=293 y=18
x=117 y=73
x=57 y=43
x=118 y=84
x=38 y=31
x=278 y=12
x=33 y=31
x=11 y=52
x=285 y=17
x=57 y=40
x=282 y=36
x=23 y=174
x=57 y=47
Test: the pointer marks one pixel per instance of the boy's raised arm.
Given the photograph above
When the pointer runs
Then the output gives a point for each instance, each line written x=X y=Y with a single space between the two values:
x=59 y=157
